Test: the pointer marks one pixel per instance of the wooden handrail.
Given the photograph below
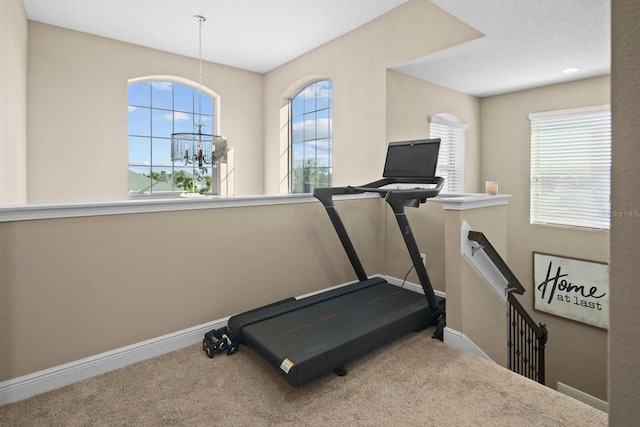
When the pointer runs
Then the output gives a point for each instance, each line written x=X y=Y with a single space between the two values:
x=513 y=282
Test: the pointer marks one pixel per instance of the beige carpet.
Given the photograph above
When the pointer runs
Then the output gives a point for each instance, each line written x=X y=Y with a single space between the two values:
x=415 y=381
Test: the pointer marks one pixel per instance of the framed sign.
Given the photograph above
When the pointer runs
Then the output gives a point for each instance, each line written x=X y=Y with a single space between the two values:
x=572 y=288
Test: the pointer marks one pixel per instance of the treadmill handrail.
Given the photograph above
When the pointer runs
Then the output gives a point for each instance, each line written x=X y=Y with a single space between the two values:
x=325 y=194
x=438 y=181
x=397 y=199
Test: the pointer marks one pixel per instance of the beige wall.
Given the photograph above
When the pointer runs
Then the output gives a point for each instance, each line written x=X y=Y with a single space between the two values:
x=77 y=125
x=357 y=64
x=624 y=345
x=475 y=310
x=77 y=86
x=505 y=134
x=574 y=349
x=411 y=102
x=427 y=225
x=13 y=102
x=76 y=287
x=501 y=124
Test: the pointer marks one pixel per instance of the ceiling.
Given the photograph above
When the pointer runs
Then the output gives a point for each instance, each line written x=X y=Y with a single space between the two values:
x=526 y=43
x=255 y=35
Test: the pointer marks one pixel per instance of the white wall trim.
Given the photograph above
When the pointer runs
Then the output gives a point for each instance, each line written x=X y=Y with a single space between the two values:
x=460 y=341
x=463 y=202
x=59 y=376
x=134 y=206
x=408 y=285
x=583 y=397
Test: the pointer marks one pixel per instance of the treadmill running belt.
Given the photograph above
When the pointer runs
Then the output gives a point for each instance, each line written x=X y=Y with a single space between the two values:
x=312 y=336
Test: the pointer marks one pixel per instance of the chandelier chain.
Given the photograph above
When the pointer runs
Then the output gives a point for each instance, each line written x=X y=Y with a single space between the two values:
x=198 y=149
x=200 y=20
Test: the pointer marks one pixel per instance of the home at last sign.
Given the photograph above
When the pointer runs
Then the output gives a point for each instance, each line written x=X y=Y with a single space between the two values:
x=572 y=288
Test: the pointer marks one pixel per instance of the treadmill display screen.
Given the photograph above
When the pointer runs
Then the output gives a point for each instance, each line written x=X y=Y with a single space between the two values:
x=412 y=159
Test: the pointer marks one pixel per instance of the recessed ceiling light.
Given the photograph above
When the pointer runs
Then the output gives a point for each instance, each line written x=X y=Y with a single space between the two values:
x=571 y=70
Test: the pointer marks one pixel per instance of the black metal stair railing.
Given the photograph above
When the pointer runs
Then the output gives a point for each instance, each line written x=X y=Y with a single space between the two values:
x=526 y=343
x=527 y=340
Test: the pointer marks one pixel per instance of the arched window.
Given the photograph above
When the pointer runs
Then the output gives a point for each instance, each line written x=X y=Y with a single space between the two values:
x=310 y=137
x=158 y=108
x=452 y=148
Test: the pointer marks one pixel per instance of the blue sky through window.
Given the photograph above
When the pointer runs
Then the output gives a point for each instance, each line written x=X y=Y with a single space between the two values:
x=311 y=136
x=156 y=109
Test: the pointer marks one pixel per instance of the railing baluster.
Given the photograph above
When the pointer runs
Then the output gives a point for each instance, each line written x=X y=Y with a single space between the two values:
x=510 y=334
x=523 y=349
x=528 y=349
x=520 y=345
x=526 y=354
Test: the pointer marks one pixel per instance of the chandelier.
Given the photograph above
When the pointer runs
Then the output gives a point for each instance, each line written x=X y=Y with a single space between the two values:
x=198 y=149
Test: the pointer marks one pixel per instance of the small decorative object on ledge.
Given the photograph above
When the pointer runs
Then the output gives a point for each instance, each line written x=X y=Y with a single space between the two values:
x=572 y=288
x=491 y=187
x=198 y=149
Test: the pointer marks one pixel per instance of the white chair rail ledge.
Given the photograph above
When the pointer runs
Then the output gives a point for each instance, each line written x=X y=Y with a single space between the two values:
x=458 y=201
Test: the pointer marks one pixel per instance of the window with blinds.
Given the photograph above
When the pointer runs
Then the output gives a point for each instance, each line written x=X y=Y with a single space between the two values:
x=452 y=132
x=571 y=167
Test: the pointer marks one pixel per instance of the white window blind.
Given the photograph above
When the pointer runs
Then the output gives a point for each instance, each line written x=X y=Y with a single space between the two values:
x=451 y=157
x=571 y=167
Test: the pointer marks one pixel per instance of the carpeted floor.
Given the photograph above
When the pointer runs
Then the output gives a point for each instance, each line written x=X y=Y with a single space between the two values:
x=415 y=381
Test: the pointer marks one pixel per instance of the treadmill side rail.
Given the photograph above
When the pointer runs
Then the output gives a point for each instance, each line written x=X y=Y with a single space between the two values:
x=325 y=196
x=397 y=199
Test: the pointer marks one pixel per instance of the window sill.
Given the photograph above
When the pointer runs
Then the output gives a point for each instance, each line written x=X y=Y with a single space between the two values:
x=568 y=227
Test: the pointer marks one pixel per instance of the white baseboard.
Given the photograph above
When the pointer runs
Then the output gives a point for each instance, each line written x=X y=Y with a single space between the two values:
x=462 y=342
x=450 y=336
x=50 y=379
x=583 y=397
x=59 y=376
x=409 y=285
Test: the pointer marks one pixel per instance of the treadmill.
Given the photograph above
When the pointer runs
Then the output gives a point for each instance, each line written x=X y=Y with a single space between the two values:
x=309 y=337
